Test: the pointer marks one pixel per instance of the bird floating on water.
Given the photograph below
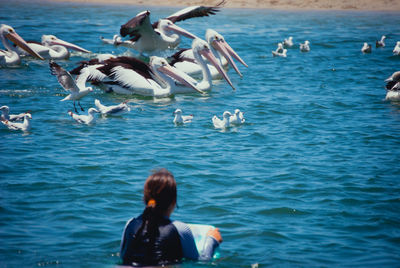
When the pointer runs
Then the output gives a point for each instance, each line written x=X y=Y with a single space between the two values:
x=396 y=50
x=181 y=119
x=10 y=56
x=393 y=87
x=113 y=109
x=305 y=47
x=24 y=126
x=380 y=43
x=237 y=118
x=224 y=123
x=282 y=54
x=367 y=48
x=288 y=42
x=10 y=117
x=84 y=119
x=77 y=88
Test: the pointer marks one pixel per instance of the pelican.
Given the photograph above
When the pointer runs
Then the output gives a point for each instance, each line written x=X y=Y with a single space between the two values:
x=54 y=48
x=24 y=126
x=393 y=87
x=181 y=119
x=237 y=118
x=185 y=61
x=396 y=49
x=288 y=42
x=10 y=117
x=381 y=43
x=84 y=119
x=366 y=48
x=113 y=109
x=164 y=34
x=77 y=88
x=10 y=56
x=305 y=47
x=224 y=123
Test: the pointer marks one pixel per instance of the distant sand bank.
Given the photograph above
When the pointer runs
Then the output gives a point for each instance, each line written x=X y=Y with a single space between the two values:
x=384 y=5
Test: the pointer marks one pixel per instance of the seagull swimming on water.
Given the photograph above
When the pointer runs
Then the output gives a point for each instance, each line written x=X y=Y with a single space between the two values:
x=381 y=43
x=393 y=87
x=396 y=49
x=305 y=47
x=237 y=118
x=10 y=117
x=366 y=48
x=24 y=126
x=84 y=119
x=288 y=42
x=77 y=88
x=224 y=123
x=182 y=119
x=113 y=109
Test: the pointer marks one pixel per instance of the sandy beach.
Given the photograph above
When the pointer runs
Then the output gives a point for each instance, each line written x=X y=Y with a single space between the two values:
x=384 y=5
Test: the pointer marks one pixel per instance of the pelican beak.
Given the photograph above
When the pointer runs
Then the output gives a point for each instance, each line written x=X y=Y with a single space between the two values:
x=180 y=31
x=220 y=46
x=234 y=54
x=168 y=70
x=211 y=58
x=19 y=41
x=389 y=79
x=69 y=45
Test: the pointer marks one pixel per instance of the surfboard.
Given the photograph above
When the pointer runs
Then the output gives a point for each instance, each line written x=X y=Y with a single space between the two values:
x=199 y=232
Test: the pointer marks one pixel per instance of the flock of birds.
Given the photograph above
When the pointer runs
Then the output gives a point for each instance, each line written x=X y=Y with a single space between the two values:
x=190 y=71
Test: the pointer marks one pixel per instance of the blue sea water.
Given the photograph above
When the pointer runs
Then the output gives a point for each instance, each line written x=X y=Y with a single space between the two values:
x=311 y=178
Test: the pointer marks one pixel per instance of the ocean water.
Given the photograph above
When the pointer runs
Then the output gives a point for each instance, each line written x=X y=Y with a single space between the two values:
x=310 y=180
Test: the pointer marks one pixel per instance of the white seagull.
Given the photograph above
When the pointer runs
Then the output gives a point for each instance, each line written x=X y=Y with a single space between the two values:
x=224 y=123
x=366 y=48
x=77 y=88
x=282 y=54
x=381 y=43
x=84 y=119
x=237 y=118
x=181 y=119
x=24 y=126
x=288 y=42
x=10 y=56
x=305 y=47
x=393 y=87
x=113 y=109
x=51 y=47
x=396 y=49
x=10 y=117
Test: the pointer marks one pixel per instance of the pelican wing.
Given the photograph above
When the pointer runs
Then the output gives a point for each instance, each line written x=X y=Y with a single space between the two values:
x=137 y=25
x=129 y=78
x=194 y=12
x=64 y=78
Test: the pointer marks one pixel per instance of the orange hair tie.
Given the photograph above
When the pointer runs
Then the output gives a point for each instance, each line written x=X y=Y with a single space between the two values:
x=151 y=203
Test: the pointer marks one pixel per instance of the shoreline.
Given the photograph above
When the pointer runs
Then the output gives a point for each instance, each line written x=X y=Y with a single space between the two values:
x=290 y=5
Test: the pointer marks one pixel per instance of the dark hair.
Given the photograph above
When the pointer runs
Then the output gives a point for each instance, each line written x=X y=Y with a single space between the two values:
x=158 y=195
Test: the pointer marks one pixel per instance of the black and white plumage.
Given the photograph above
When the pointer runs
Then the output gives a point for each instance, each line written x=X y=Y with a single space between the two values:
x=113 y=109
x=288 y=42
x=305 y=47
x=380 y=43
x=367 y=48
x=181 y=119
x=24 y=126
x=84 y=119
x=393 y=87
x=77 y=88
x=10 y=117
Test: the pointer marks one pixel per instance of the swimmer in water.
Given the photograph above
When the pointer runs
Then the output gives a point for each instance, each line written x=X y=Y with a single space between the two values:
x=152 y=238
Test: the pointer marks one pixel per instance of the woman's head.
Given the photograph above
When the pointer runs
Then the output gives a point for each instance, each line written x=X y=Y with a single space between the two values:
x=160 y=187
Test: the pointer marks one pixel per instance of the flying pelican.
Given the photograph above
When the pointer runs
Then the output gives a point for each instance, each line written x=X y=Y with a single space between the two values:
x=224 y=123
x=237 y=118
x=366 y=48
x=288 y=42
x=24 y=126
x=305 y=47
x=54 y=48
x=10 y=57
x=393 y=87
x=10 y=117
x=77 y=88
x=181 y=119
x=396 y=49
x=84 y=119
x=113 y=109
x=185 y=61
x=381 y=43
x=163 y=34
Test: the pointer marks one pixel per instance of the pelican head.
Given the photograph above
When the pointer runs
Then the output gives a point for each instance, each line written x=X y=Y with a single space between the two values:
x=166 y=26
x=52 y=40
x=201 y=47
x=11 y=34
x=161 y=65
